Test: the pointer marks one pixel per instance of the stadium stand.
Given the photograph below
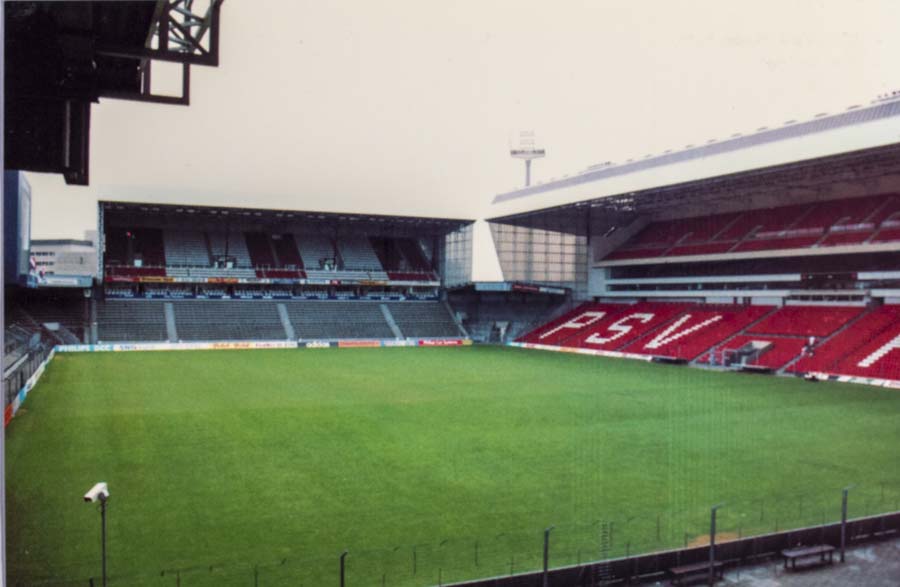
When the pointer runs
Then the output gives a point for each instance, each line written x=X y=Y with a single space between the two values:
x=357 y=254
x=131 y=321
x=806 y=320
x=334 y=319
x=424 y=319
x=696 y=330
x=198 y=320
x=761 y=351
x=564 y=327
x=314 y=249
x=260 y=250
x=286 y=249
x=848 y=221
x=230 y=244
x=867 y=347
x=186 y=248
x=849 y=340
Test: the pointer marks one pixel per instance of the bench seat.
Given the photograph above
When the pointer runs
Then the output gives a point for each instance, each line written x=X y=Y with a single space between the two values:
x=825 y=552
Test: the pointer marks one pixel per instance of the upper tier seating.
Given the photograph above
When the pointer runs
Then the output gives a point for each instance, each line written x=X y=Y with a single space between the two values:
x=125 y=246
x=807 y=321
x=286 y=249
x=260 y=250
x=129 y=271
x=207 y=272
x=314 y=248
x=415 y=257
x=849 y=221
x=235 y=244
x=186 y=248
x=410 y=276
x=357 y=253
x=149 y=244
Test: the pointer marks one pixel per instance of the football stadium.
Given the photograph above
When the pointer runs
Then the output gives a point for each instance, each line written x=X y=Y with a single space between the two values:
x=688 y=367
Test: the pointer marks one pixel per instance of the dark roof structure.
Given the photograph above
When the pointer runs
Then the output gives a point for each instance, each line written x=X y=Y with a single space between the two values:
x=60 y=57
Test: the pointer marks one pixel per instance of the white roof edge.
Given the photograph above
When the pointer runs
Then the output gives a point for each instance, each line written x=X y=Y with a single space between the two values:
x=873 y=126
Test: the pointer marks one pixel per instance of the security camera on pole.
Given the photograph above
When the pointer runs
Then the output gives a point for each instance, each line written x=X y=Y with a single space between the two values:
x=100 y=492
x=527 y=150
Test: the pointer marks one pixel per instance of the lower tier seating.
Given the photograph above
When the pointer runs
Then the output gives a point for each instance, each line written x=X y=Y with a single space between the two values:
x=846 y=340
x=868 y=348
x=131 y=321
x=197 y=320
x=768 y=352
x=695 y=330
x=806 y=320
x=215 y=320
x=327 y=319
x=424 y=319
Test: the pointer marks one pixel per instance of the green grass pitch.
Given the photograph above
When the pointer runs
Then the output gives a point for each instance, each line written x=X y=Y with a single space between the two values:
x=427 y=465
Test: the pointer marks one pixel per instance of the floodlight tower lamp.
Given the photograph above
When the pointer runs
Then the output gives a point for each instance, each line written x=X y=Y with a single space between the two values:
x=527 y=151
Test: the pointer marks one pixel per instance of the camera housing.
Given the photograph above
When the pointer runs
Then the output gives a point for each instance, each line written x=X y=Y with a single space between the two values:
x=99 y=492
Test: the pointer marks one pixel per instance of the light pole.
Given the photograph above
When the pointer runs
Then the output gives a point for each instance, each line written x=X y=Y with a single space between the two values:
x=100 y=492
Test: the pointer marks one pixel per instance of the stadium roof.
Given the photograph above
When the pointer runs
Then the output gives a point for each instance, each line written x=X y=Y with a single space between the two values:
x=61 y=57
x=56 y=242
x=258 y=215
x=858 y=129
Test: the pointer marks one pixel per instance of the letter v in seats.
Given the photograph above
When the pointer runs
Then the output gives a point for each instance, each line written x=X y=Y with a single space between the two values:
x=672 y=333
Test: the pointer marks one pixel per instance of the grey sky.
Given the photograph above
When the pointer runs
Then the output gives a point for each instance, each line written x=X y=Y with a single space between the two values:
x=407 y=106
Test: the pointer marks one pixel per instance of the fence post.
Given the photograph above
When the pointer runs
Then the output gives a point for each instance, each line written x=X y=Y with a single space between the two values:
x=844 y=493
x=712 y=544
x=547 y=556
x=343 y=556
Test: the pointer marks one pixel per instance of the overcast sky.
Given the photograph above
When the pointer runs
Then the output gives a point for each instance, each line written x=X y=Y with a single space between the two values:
x=408 y=106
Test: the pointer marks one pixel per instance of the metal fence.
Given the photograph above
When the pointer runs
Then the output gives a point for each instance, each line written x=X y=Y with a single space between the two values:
x=646 y=541
x=24 y=368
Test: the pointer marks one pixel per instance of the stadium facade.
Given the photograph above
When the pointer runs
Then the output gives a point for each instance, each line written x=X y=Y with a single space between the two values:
x=727 y=254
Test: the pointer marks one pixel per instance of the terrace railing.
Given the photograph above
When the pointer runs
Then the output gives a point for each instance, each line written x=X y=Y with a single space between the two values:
x=586 y=551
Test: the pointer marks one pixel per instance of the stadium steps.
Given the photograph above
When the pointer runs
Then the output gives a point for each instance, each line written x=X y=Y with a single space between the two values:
x=323 y=320
x=424 y=319
x=171 y=329
x=743 y=332
x=389 y=318
x=456 y=321
x=787 y=367
x=286 y=322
